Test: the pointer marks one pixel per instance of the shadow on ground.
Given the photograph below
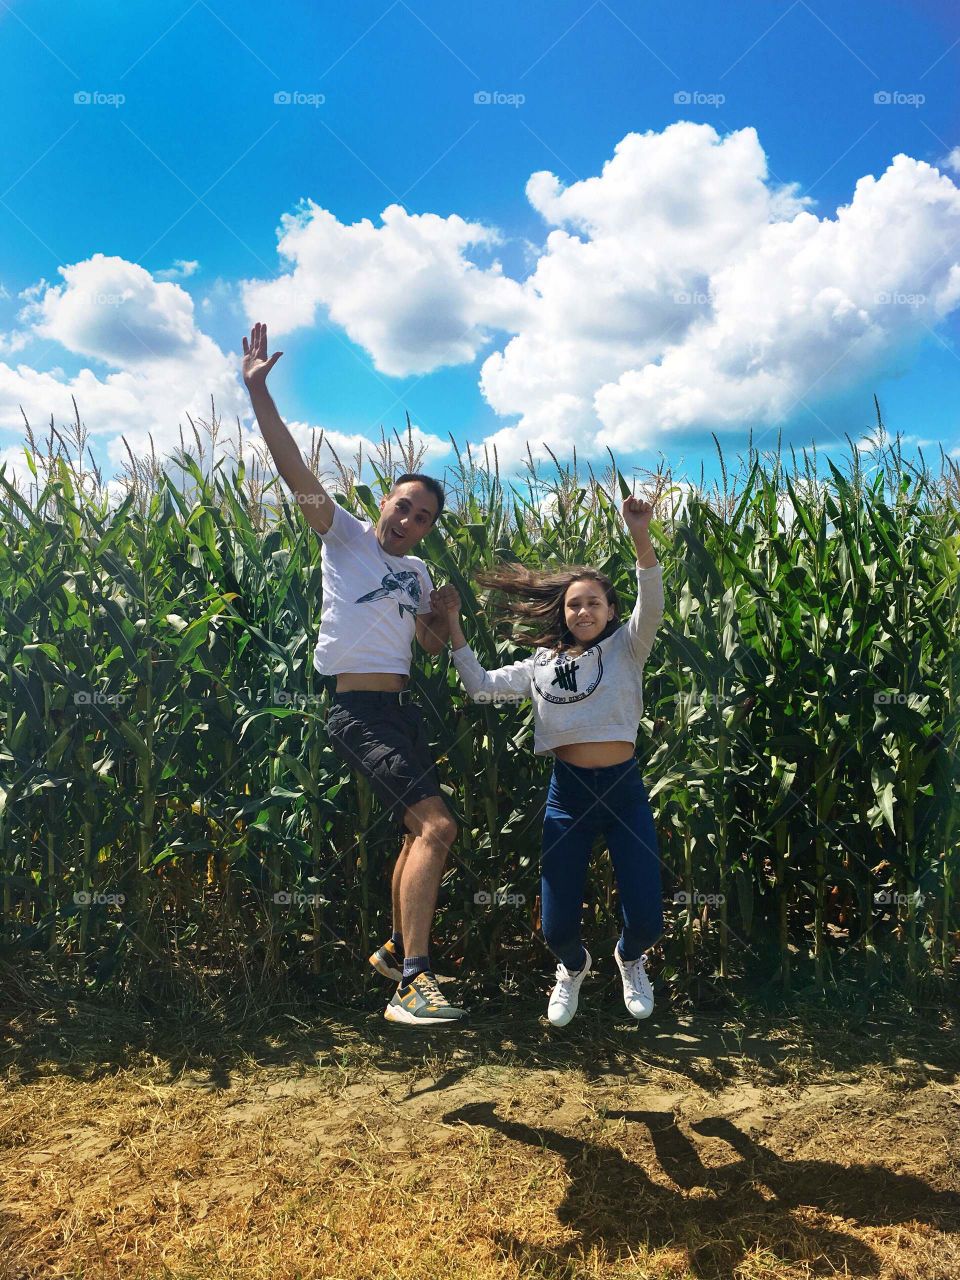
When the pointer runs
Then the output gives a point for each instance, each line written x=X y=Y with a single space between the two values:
x=612 y=1203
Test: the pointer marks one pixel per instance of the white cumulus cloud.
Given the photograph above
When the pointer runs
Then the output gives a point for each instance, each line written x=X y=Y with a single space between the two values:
x=810 y=307
x=181 y=269
x=113 y=311
x=160 y=367
x=680 y=288
x=406 y=290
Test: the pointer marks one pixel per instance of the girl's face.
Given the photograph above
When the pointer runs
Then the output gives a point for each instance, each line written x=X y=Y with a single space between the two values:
x=586 y=611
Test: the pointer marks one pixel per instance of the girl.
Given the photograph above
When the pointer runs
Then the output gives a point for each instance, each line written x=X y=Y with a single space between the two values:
x=584 y=679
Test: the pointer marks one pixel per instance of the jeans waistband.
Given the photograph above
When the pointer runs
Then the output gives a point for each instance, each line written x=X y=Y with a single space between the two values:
x=609 y=771
x=397 y=698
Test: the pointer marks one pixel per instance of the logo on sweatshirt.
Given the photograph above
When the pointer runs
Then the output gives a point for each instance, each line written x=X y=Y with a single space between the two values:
x=560 y=677
x=565 y=675
x=403 y=581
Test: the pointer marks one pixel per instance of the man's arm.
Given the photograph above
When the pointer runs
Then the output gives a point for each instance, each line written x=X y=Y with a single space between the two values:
x=433 y=629
x=315 y=503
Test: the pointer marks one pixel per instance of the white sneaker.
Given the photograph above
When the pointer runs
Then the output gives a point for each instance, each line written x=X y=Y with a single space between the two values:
x=566 y=994
x=637 y=991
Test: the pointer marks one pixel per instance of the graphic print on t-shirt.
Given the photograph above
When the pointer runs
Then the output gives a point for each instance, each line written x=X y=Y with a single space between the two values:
x=564 y=678
x=565 y=675
x=404 y=581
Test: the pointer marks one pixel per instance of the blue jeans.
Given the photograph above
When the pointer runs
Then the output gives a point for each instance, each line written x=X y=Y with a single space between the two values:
x=580 y=803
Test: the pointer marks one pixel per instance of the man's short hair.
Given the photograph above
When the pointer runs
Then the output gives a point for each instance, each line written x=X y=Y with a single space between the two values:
x=428 y=482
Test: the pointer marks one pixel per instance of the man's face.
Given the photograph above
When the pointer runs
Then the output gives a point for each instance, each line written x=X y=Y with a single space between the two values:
x=406 y=515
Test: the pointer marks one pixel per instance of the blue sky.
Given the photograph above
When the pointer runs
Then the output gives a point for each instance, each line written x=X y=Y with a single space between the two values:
x=673 y=297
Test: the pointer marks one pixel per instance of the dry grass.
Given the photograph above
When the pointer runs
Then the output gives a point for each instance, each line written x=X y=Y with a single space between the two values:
x=738 y=1146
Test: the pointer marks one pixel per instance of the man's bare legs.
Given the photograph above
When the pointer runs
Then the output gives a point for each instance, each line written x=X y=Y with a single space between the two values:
x=414 y=896
x=395 y=883
x=433 y=831
x=418 y=1000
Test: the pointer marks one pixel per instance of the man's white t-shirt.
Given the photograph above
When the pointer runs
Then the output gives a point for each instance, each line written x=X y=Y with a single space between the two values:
x=370 y=601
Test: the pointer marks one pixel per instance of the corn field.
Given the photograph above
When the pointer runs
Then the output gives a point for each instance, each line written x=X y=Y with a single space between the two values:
x=170 y=807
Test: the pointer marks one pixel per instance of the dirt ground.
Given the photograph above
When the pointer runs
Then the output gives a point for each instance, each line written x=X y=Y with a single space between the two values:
x=317 y=1145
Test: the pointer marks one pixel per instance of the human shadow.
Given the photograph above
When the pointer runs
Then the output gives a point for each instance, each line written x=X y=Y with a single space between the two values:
x=613 y=1204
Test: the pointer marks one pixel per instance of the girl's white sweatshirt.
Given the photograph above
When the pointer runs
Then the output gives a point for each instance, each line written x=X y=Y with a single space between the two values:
x=595 y=696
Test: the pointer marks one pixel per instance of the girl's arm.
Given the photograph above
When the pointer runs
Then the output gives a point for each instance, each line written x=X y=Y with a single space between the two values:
x=648 y=610
x=638 y=515
x=511 y=682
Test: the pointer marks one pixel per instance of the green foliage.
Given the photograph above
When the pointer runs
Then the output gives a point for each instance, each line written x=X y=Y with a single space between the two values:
x=168 y=795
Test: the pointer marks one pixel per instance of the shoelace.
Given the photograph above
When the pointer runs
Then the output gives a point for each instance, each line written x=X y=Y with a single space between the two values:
x=565 y=980
x=428 y=988
x=636 y=972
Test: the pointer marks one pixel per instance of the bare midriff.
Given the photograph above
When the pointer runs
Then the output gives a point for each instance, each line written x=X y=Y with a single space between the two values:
x=349 y=681
x=595 y=755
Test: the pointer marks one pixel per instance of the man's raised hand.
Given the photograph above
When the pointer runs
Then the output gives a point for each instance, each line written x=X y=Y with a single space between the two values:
x=256 y=364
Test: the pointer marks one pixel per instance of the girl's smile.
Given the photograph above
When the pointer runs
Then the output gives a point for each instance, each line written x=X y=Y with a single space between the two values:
x=586 y=610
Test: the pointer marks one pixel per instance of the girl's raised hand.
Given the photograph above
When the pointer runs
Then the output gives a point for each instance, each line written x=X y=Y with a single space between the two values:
x=637 y=514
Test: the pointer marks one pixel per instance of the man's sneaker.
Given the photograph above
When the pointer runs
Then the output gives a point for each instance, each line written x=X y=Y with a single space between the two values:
x=566 y=993
x=421 y=1004
x=386 y=961
x=637 y=991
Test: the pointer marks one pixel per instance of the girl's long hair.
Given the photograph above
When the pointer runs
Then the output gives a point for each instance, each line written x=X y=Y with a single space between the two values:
x=535 y=598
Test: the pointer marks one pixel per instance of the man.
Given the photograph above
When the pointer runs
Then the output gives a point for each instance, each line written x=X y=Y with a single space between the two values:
x=376 y=598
